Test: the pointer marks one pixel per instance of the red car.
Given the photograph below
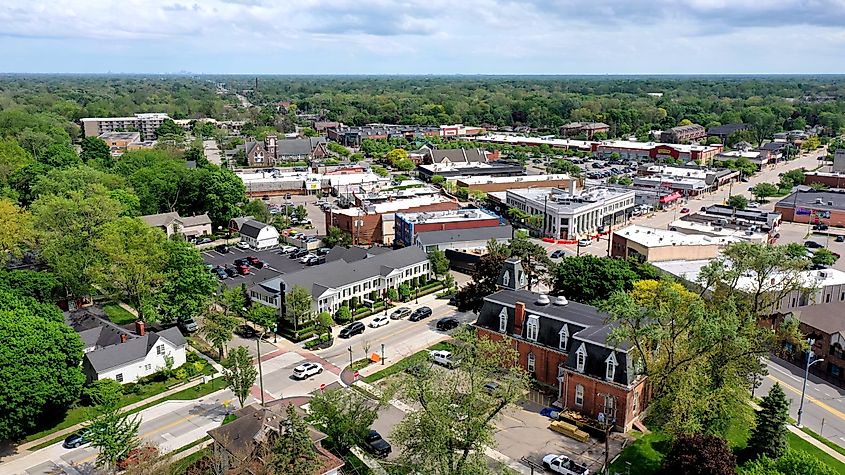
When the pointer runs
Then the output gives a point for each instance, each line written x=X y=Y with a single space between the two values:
x=243 y=270
x=255 y=262
x=684 y=210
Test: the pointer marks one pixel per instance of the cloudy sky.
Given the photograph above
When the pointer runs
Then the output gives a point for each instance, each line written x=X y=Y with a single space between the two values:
x=423 y=36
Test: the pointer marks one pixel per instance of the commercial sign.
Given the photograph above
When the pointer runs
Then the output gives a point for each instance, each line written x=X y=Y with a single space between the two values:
x=815 y=213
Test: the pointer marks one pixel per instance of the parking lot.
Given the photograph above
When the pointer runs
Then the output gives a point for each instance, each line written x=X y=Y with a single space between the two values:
x=274 y=264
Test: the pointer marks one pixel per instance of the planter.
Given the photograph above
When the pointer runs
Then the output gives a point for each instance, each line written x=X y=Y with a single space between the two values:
x=320 y=346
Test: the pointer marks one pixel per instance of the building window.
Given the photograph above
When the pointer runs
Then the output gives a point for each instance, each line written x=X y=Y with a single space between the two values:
x=609 y=406
x=835 y=370
x=160 y=349
x=564 y=337
x=635 y=404
x=118 y=377
x=581 y=358
x=148 y=367
x=827 y=298
x=579 y=395
x=531 y=361
x=610 y=370
x=503 y=320
x=533 y=328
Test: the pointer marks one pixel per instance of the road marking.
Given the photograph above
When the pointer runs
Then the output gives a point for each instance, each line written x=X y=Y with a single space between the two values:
x=835 y=412
x=790 y=375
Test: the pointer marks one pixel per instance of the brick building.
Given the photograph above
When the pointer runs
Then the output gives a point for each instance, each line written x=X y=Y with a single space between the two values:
x=655 y=245
x=825 y=325
x=504 y=183
x=684 y=134
x=408 y=225
x=814 y=206
x=589 y=129
x=375 y=223
x=564 y=346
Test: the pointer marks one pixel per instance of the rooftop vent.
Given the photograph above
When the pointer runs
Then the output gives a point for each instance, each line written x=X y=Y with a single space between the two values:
x=560 y=301
x=543 y=300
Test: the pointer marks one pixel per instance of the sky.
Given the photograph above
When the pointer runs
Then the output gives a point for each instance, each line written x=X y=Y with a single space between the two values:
x=423 y=36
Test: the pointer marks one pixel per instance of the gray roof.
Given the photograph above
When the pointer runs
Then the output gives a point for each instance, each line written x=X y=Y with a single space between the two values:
x=161 y=219
x=727 y=129
x=298 y=146
x=808 y=199
x=774 y=146
x=460 y=155
x=251 y=228
x=828 y=318
x=452 y=236
x=197 y=220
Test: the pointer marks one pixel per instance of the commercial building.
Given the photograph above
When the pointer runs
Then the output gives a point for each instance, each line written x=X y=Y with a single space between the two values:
x=551 y=141
x=374 y=223
x=825 y=325
x=651 y=151
x=589 y=129
x=564 y=345
x=688 y=181
x=503 y=183
x=408 y=225
x=655 y=245
x=814 y=206
x=173 y=224
x=718 y=230
x=353 y=136
x=757 y=157
x=338 y=281
x=144 y=124
x=684 y=134
x=457 y=156
x=573 y=214
x=121 y=142
x=355 y=183
x=259 y=235
x=463 y=240
x=726 y=130
x=471 y=169
x=274 y=182
x=408 y=189
x=459 y=130
x=839 y=161
x=835 y=180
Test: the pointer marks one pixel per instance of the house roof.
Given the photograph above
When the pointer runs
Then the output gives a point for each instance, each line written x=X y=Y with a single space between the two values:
x=198 y=220
x=238 y=222
x=727 y=129
x=458 y=155
x=161 y=219
x=252 y=228
x=298 y=146
x=828 y=318
x=773 y=146
x=453 y=236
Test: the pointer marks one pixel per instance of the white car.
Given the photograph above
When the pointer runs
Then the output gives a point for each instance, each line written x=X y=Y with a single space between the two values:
x=563 y=464
x=753 y=205
x=243 y=245
x=379 y=321
x=584 y=242
x=287 y=249
x=309 y=368
x=306 y=258
x=441 y=357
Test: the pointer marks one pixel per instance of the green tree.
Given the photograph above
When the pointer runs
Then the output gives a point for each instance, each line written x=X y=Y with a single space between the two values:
x=13 y=161
x=343 y=314
x=795 y=250
x=392 y=294
x=824 y=257
x=405 y=165
x=534 y=259
x=103 y=393
x=738 y=202
x=258 y=210
x=793 y=462
x=764 y=190
x=95 y=150
x=565 y=166
x=300 y=212
x=16 y=231
x=380 y=171
x=769 y=435
x=217 y=328
x=239 y=372
x=344 y=416
x=700 y=455
x=590 y=279
x=113 y=434
x=294 y=452
x=792 y=178
x=40 y=285
x=404 y=291
x=131 y=264
x=60 y=156
x=439 y=262
x=396 y=155
x=169 y=128
x=263 y=316
x=437 y=180
x=188 y=286
x=298 y=306
x=324 y=323
x=337 y=237
x=471 y=296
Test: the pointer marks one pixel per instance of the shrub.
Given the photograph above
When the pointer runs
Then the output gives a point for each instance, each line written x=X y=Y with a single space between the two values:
x=353 y=302
x=392 y=294
x=343 y=314
x=103 y=392
x=181 y=373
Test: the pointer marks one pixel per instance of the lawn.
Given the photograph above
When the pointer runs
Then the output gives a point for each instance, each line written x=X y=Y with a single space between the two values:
x=118 y=315
x=405 y=363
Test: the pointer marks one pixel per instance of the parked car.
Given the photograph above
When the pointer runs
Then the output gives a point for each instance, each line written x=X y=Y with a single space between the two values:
x=447 y=323
x=376 y=445
x=188 y=325
x=812 y=245
x=379 y=321
x=221 y=273
x=684 y=210
x=253 y=261
x=315 y=260
x=441 y=357
x=564 y=465
x=243 y=270
x=400 y=313
x=584 y=242
x=558 y=254
x=820 y=227
x=322 y=251
x=243 y=245
x=306 y=258
x=224 y=249
x=754 y=204
x=298 y=254
x=204 y=241
x=231 y=272
x=240 y=262
x=351 y=330
x=75 y=440
x=491 y=387
x=420 y=313
x=287 y=249
x=309 y=368
x=246 y=331
x=840 y=238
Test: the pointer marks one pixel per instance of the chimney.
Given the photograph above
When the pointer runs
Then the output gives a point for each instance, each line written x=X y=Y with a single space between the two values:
x=123 y=337
x=139 y=328
x=518 y=318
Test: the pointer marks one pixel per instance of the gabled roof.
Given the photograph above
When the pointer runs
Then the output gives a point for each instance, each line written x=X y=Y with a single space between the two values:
x=238 y=222
x=252 y=228
x=298 y=146
x=198 y=220
x=461 y=155
x=773 y=146
x=161 y=219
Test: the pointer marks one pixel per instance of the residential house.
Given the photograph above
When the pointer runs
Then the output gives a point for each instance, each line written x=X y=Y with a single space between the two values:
x=173 y=224
x=273 y=152
x=565 y=346
x=114 y=352
x=259 y=235
x=244 y=445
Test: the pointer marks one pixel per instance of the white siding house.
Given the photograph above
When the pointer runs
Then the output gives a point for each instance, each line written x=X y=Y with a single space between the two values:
x=259 y=235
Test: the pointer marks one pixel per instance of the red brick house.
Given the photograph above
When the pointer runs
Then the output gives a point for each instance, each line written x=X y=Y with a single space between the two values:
x=564 y=346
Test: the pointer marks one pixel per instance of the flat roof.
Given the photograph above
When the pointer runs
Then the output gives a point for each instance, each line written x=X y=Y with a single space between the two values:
x=830 y=200
x=484 y=180
x=247 y=177
x=521 y=139
x=562 y=201
x=726 y=231
x=448 y=216
x=396 y=205
x=120 y=135
x=690 y=270
x=654 y=237
x=631 y=145
x=457 y=236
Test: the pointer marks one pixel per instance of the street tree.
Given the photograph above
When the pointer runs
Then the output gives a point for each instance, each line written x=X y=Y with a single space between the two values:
x=535 y=260
x=795 y=250
x=769 y=435
x=454 y=422
x=343 y=314
x=323 y=323
x=233 y=301
x=738 y=202
x=298 y=307
x=239 y=373
x=591 y=279
x=344 y=416
x=113 y=433
x=405 y=165
x=103 y=393
x=131 y=263
x=217 y=328
x=439 y=262
x=764 y=190
x=294 y=452
x=700 y=455
x=188 y=286
x=264 y=316
x=300 y=212
x=824 y=257
x=16 y=231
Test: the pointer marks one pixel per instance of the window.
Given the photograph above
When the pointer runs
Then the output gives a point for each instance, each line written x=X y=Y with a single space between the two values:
x=531 y=361
x=533 y=328
x=579 y=395
x=581 y=358
x=610 y=369
x=118 y=377
x=564 y=337
x=609 y=406
x=148 y=367
x=835 y=370
x=827 y=298
x=503 y=320
x=635 y=404
x=160 y=349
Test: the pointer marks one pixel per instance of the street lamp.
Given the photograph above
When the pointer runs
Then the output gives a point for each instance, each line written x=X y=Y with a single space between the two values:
x=807 y=365
x=350 y=356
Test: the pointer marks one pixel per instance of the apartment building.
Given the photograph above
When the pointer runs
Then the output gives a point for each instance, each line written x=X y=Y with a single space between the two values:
x=684 y=134
x=145 y=124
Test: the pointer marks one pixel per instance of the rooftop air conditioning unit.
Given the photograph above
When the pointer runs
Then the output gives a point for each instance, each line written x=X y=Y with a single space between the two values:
x=561 y=301
x=543 y=299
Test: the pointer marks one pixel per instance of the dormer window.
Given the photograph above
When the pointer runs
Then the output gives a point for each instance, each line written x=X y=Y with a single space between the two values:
x=581 y=358
x=610 y=370
x=564 y=337
x=533 y=328
x=503 y=320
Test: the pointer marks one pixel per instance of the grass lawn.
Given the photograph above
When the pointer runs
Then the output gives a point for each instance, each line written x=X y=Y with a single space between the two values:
x=405 y=363
x=118 y=315
x=826 y=442
x=798 y=443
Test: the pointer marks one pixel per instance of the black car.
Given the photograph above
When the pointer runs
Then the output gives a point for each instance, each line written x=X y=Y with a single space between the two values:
x=558 y=254
x=821 y=227
x=812 y=245
x=230 y=272
x=240 y=262
x=351 y=330
x=447 y=323
x=75 y=440
x=419 y=314
x=222 y=249
x=246 y=331
x=298 y=254
x=840 y=238
x=376 y=445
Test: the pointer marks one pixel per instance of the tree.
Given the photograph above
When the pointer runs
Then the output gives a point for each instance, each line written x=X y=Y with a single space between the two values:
x=294 y=452
x=769 y=435
x=300 y=212
x=263 y=316
x=113 y=434
x=454 y=423
x=793 y=462
x=168 y=128
x=103 y=393
x=131 y=264
x=625 y=180
x=40 y=285
x=16 y=231
x=60 y=155
x=795 y=250
x=197 y=155
x=762 y=121
x=566 y=166
x=405 y=165
x=699 y=455
x=343 y=314
x=535 y=260
x=824 y=257
x=484 y=277
x=337 y=237
x=298 y=306
x=344 y=416
x=239 y=372
x=439 y=262
x=39 y=364
x=258 y=210
x=738 y=202
x=437 y=180
x=404 y=291
x=396 y=155
x=380 y=171
x=188 y=286
x=13 y=161
x=392 y=294
x=764 y=190
x=590 y=279
x=324 y=323
x=217 y=328
x=792 y=178
x=94 y=149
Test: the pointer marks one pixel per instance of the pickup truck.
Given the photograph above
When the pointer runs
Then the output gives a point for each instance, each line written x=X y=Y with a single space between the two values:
x=564 y=465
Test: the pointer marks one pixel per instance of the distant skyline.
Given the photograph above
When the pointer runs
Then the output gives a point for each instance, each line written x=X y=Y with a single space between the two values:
x=547 y=37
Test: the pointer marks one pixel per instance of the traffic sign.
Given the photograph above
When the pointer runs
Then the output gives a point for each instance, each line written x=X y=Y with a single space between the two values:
x=322 y=387
x=356 y=375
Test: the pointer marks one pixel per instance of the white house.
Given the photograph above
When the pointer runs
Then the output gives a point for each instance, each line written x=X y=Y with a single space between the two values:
x=113 y=352
x=172 y=223
x=259 y=235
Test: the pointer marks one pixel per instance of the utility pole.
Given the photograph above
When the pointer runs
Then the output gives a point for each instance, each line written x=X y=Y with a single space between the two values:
x=260 y=373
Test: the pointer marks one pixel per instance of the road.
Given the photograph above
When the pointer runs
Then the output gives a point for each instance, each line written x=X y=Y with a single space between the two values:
x=824 y=402
x=174 y=424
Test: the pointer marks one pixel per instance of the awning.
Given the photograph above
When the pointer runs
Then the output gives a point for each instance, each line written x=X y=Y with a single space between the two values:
x=669 y=198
